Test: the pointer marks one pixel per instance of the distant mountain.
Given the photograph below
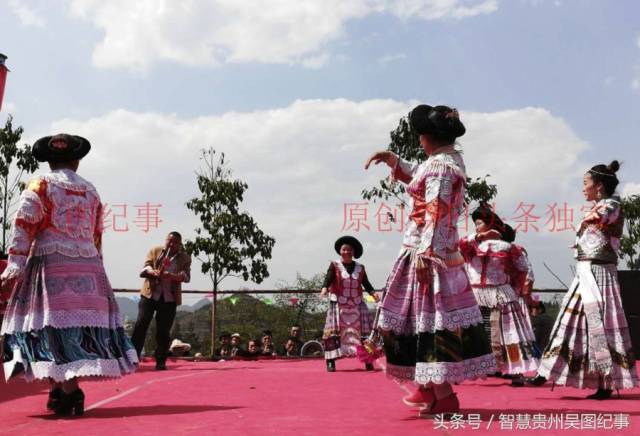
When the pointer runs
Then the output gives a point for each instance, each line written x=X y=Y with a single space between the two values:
x=129 y=307
x=197 y=305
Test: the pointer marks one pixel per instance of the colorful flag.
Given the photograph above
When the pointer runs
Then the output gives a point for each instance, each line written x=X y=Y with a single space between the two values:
x=3 y=77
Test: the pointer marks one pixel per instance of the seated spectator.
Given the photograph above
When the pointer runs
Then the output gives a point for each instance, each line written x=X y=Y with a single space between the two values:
x=224 y=351
x=236 y=345
x=268 y=349
x=295 y=333
x=253 y=351
x=292 y=347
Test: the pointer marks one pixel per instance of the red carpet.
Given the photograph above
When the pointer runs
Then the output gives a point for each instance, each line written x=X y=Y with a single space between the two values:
x=287 y=397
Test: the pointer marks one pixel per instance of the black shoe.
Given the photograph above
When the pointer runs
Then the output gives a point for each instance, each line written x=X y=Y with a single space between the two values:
x=600 y=394
x=55 y=394
x=71 y=404
x=368 y=366
x=495 y=374
x=161 y=366
x=536 y=381
x=331 y=365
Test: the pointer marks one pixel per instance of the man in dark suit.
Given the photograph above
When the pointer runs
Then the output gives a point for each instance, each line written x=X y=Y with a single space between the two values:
x=165 y=269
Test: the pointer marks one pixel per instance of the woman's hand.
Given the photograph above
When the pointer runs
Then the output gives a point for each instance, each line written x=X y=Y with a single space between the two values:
x=324 y=292
x=596 y=213
x=375 y=297
x=489 y=234
x=591 y=216
x=382 y=156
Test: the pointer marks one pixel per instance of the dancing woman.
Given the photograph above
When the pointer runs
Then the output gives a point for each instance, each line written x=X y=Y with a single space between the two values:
x=495 y=267
x=523 y=285
x=429 y=318
x=62 y=322
x=590 y=346
x=348 y=319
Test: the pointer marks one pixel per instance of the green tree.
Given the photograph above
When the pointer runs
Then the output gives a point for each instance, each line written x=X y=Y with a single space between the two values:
x=229 y=242
x=249 y=315
x=406 y=144
x=15 y=161
x=306 y=304
x=630 y=241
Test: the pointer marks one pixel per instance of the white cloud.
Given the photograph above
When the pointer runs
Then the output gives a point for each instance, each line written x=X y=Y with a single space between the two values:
x=556 y=3
x=519 y=142
x=139 y=34
x=439 y=9
x=27 y=13
x=391 y=58
x=316 y=62
x=303 y=162
x=630 y=189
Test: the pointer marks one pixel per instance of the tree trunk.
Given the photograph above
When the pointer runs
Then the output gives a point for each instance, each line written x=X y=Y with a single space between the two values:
x=214 y=305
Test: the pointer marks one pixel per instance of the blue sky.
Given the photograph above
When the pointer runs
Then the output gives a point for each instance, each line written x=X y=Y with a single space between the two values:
x=75 y=64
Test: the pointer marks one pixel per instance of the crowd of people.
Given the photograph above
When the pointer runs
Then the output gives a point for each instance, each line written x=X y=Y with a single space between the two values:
x=232 y=345
x=452 y=309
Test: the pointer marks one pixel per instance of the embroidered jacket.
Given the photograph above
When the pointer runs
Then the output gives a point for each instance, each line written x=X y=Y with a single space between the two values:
x=437 y=189
x=59 y=212
x=599 y=239
x=347 y=288
x=494 y=262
